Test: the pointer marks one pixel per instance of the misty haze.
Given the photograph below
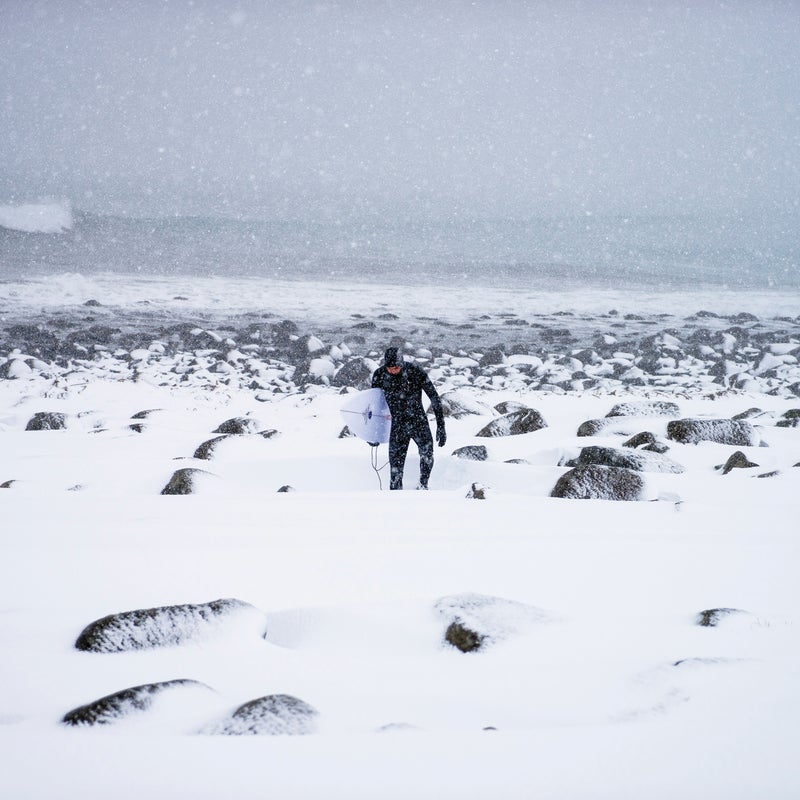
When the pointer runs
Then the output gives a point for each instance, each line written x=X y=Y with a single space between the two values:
x=620 y=141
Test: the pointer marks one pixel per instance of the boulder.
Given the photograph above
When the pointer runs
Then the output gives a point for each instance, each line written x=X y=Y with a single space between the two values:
x=476 y=621
x=115 y=707
x=476 y=492
x=273 y=715
x=140 y=427
x=206 y=450
x=238 y=425
x=184 y=481
x=355 y=373
x=165 y=626
x=712 y=617
x=597 y=482
x=47 y=421
x=472 y=452
x=509 y=406
x=645 y=408
x=517 y=422
x=592 y=427
x=637 y=460
x=33 y=338
x=492 y=356
x=738 y=460
x=790 y=419
x=722 y=431
x=643 y=439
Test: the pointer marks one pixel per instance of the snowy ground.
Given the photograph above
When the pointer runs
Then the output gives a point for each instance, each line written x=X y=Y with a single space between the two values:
x=595 y=680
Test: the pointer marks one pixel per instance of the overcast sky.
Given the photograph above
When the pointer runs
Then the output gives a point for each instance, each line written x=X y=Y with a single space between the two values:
x=411 y=108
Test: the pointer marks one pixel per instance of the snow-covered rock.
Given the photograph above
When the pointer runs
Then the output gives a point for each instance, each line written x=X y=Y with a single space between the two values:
x=273 y=715
x=168 y=626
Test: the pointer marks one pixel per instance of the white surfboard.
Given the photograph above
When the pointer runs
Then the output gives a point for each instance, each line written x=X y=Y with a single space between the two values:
x=367 y=416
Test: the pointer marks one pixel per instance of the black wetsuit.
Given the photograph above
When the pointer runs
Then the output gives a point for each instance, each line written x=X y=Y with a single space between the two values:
x=404 y=396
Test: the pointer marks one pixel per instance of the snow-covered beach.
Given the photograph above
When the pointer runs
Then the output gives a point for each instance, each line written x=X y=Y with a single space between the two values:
x=580 y=219
x=594 y=676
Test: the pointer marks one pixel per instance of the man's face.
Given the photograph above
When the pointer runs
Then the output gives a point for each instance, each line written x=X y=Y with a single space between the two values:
x=393 y=370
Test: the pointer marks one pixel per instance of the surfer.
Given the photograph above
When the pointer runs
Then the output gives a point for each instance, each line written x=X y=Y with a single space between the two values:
x=403 y=384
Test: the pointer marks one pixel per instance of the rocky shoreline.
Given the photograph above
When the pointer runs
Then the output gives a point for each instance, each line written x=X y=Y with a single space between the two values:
x=560 y=352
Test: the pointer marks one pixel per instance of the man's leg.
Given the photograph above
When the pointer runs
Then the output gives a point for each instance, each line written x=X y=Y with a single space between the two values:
x=424 y=441
x=398 y=448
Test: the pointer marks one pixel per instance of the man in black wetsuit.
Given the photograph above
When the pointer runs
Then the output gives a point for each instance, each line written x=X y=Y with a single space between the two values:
x=403 y=384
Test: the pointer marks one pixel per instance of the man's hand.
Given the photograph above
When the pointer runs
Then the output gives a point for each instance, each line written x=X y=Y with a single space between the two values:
x=441 y=436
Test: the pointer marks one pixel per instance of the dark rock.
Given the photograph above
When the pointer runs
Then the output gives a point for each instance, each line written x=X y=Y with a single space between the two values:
x=183 y=481
x=306 y=347
x=636 y=460
x=269 y=433
x=751 y=412
x=35 y=339
x=510 y=406
x=346 y=433
x=657 y=447
x=354 y=373
x=587 y=356
x=47 y=421
x=722 y=431
x=791 y=419
x=476 y=492
x=463 y=638
x=492 y=356
x=516 y=423
x=145 y=414
x=596 y=482
x=591 y=427
x=282 y=332
x=286 y=488
x=476 y=621
x=654 y=408
x=114 y=707
x=737 y=461
x=206 y=450
x=273 y=715
x=472 y=452
x=769 y=474
x=92 y=303
x=165 y=626
x=7 y=484
x=701 y=336
x=238 y=426
x=711 y=617
x=641 y=440
x=743 y=316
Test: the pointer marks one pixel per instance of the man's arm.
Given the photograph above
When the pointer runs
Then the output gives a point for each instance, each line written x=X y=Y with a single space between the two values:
x=436 y=407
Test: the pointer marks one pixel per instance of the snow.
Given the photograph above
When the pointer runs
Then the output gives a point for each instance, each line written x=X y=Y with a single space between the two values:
x=37 y=217
x=598 y=683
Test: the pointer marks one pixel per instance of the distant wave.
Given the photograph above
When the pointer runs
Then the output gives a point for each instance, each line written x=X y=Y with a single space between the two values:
x=37 y=217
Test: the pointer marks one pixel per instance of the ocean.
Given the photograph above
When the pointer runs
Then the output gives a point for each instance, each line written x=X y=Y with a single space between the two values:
x=678 y=253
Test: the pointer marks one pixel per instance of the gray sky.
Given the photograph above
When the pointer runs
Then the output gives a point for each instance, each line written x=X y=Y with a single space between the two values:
x=439 y=109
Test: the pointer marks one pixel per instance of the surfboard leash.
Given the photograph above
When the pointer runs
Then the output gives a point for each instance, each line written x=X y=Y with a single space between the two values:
x=373 y=456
